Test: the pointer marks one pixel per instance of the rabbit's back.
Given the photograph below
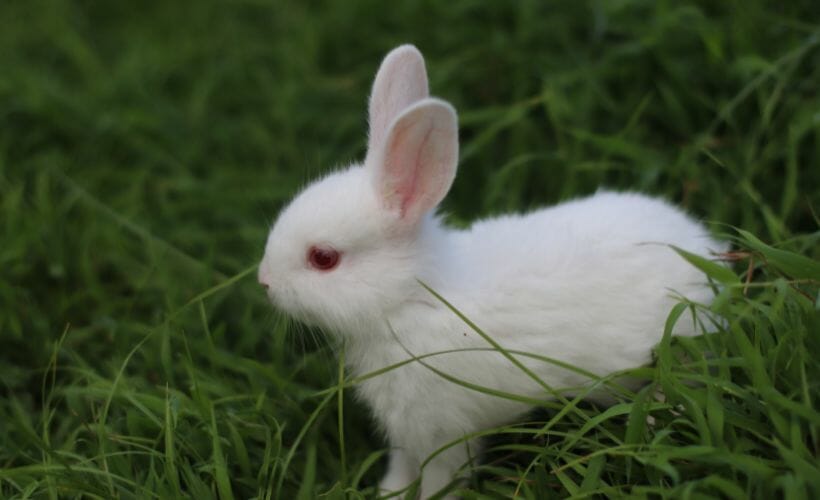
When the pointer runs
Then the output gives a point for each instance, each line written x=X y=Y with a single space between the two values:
x=603 y=222
x=607 y=234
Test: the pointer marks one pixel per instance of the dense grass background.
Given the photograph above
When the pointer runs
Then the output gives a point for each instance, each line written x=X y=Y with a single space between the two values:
x=145 y=147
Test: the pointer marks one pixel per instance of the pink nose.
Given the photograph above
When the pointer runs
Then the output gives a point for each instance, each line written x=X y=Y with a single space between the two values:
x=264 y=278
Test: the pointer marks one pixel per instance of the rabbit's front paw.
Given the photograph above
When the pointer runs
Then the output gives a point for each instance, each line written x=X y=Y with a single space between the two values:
x=401 y=472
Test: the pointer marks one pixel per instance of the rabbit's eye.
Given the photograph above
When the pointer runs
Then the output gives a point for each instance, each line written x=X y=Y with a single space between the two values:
x=323 y=258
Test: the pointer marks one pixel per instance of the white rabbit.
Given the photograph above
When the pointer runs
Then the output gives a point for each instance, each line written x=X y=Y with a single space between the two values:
x=589 y=282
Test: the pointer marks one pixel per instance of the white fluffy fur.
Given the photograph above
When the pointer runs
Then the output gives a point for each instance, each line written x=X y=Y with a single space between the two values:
x=589 y=282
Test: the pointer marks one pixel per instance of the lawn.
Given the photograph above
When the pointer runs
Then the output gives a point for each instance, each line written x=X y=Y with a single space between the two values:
x=146 y=147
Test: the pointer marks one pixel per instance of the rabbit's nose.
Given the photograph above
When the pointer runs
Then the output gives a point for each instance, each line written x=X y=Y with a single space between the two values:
x=264 y=278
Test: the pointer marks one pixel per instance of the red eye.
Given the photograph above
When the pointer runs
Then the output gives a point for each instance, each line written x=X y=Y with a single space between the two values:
x=323 y=258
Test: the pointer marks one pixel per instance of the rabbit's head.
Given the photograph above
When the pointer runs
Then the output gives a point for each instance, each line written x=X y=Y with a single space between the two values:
x=352 y=244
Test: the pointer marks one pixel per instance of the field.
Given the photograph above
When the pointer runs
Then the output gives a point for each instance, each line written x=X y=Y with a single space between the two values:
x=146 y=147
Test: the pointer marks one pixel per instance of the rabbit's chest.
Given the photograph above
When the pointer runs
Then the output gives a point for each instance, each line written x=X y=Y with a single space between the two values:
x=435 y=387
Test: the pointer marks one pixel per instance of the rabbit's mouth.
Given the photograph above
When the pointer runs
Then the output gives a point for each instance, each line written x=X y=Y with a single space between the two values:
x=285 y=299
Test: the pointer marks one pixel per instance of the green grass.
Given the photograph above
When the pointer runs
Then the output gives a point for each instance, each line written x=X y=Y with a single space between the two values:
x=145 y=147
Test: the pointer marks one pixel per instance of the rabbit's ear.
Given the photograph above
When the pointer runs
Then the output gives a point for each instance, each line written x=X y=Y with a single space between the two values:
x=418 y=161
x=400 y=82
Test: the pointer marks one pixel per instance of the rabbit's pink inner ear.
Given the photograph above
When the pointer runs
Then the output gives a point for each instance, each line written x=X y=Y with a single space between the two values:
x=400 y=82
x=419 y=160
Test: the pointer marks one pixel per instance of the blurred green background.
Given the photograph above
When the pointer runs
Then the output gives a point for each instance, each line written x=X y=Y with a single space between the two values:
x=145 y=148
